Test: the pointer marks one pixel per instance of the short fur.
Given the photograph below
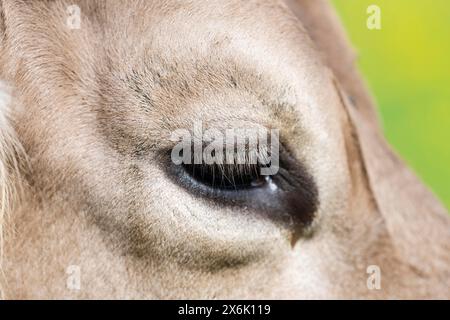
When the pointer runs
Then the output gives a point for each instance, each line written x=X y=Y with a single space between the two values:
x=94 y=107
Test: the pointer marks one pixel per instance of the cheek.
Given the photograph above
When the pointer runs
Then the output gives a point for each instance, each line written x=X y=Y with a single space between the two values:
x=324 y=153
x=331 y=171
x=149 y=217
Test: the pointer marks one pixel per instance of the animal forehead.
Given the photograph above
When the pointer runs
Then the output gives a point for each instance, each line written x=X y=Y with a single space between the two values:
x=194 y=29
x=177 y=26
x=249 y=31
x=257 y=46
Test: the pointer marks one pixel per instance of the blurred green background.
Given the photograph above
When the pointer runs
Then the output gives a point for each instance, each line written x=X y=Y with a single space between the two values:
x=407 y=67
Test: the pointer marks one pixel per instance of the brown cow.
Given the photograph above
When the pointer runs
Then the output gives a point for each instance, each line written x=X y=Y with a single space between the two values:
x=92 y=208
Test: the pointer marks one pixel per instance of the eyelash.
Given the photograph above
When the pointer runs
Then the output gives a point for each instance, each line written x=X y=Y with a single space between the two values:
x=267 y=194
x=227 y=176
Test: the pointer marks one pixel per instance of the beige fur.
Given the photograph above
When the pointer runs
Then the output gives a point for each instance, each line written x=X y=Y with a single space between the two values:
x=12 y=158
x=94 y=107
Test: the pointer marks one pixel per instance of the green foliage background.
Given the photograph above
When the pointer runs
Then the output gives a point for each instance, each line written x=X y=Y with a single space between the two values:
x=407 y=67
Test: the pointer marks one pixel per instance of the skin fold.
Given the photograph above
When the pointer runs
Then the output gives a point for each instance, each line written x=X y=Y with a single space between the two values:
x=89 y=117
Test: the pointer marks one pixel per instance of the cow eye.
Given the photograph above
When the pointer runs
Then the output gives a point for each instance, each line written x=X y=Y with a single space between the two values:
x=227 y=176
x=288 y=194
x=233 y=173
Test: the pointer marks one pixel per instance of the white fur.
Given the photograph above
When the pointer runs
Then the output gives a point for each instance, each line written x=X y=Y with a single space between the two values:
x=10 y=148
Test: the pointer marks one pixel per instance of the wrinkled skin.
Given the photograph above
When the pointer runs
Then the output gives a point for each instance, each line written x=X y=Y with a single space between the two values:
x=94 y=107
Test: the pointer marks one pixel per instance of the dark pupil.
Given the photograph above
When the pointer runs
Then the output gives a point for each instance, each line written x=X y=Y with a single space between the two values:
x=227 y=176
